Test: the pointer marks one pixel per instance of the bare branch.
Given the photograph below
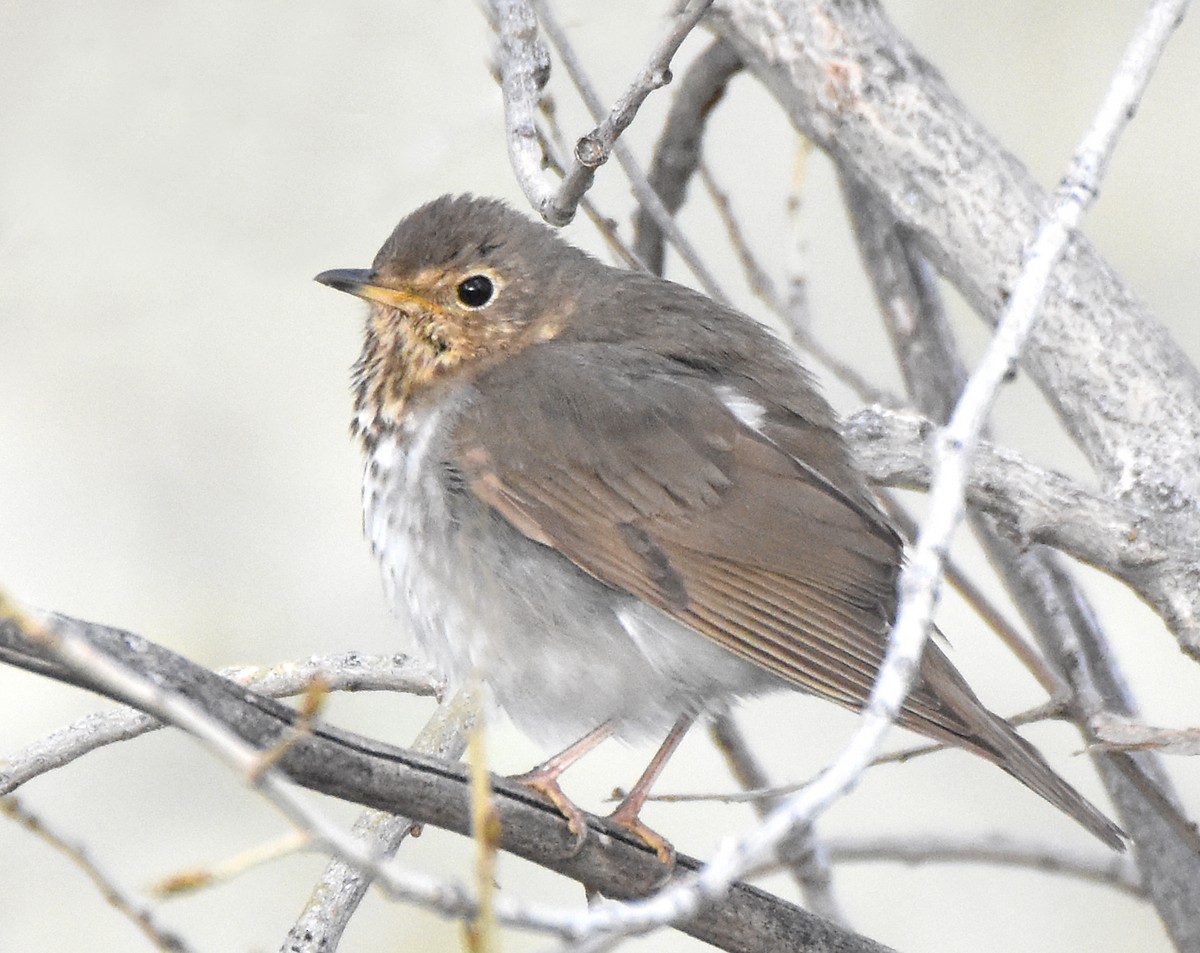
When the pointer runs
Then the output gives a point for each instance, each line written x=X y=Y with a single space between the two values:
x=1122 y=387
x=139 y=914
x=757 y=279
x=803 y=853
x=642 y=190
x=524 y=70
x=593 y=149
x=677 y=152
x=77 y=646
x=1122 y=735
x=1079 y=647
x=426 y=789
x=1032 y=505
x=1109 y=869
x=197 y=878
x=1051 y=602
x=342 y=886
x=677 y=157
x=349 y=672
x=919 y=578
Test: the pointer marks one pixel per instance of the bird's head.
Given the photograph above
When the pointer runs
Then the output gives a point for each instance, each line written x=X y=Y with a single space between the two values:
x=460 y=281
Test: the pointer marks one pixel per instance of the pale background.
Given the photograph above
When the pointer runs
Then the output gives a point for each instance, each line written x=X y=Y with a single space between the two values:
x=173 y=408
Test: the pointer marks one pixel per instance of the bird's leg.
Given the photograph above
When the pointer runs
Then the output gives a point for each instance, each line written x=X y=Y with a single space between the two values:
x=626 y=814
x=544 y=779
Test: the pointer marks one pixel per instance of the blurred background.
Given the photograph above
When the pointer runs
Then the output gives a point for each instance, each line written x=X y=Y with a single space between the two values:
x=174 y=456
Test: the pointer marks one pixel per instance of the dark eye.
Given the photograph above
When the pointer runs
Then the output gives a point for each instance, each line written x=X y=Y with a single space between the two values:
x=476 y=291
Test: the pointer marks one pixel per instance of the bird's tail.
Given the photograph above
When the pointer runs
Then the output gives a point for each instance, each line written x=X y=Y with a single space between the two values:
x=991 y=737
x=1024 y=762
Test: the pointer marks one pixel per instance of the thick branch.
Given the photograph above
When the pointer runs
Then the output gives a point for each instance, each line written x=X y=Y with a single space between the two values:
x=1052 y=604
x=349 y=672
x=1032 y=505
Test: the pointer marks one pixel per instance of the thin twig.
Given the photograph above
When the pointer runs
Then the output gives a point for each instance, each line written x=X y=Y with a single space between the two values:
x=524 y=70
x=342 y=886
x=759 y=793
x=803 y=853
x=757 y=279
x=797 y=312
x=677 y=157
x=1109 y=869
x=988 y=611
x=640 y=184
x=593 y=149
x=192 y=879
x=139 y=914
x=1118 y=734
x=552 y=143
x=481 y=930
x=677 y=151
x=604 y=224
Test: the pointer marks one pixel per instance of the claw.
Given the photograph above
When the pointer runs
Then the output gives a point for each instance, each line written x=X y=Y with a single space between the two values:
x=626 y=816
x=545 y=783
x=544 y=780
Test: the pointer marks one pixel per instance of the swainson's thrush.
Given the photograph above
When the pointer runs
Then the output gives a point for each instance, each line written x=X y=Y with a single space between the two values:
x=620 y=503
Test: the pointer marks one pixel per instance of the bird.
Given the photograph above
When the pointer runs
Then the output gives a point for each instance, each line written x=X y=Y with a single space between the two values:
x=621 y=505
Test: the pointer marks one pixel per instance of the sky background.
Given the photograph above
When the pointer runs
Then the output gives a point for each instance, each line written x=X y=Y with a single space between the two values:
x=174 y=456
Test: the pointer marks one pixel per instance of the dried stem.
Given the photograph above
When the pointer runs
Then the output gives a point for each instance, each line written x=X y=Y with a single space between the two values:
x=139 y=914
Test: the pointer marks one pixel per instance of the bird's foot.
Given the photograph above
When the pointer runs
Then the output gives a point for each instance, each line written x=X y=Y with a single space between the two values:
x=545 y=782
x=626 y=816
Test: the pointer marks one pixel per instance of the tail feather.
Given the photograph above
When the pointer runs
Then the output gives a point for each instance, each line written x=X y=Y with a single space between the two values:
x=1002 y=745
x=991 y=737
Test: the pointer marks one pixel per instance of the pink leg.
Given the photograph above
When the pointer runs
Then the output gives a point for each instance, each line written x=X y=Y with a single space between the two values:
x=626 y=814
x=544 y=778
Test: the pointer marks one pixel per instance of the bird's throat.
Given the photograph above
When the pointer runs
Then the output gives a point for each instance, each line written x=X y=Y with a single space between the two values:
x=407 y=353
x=398 y=360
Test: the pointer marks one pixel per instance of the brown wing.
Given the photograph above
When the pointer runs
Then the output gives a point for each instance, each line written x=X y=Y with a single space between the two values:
x=636 y=471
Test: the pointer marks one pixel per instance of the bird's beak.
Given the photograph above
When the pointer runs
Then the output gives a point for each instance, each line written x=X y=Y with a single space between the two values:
x=363 y=283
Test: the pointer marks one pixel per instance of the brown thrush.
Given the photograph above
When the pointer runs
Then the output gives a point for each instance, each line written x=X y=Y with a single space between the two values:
x=621 y=504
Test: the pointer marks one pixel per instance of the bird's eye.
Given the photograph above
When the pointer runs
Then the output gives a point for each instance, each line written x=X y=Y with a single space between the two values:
x=476 y=291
